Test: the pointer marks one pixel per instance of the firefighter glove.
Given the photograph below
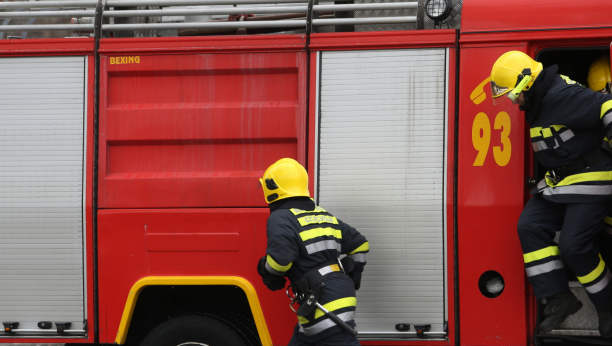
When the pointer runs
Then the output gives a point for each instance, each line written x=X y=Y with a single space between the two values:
x=356 y=276
x=273 y=282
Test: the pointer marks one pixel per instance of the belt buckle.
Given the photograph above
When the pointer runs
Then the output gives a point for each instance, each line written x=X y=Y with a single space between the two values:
x=556 y=178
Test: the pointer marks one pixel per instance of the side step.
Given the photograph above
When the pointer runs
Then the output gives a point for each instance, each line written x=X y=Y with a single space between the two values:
x=580 y=328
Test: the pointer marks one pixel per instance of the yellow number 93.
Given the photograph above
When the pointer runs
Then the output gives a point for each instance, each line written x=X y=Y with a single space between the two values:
x=481 y=138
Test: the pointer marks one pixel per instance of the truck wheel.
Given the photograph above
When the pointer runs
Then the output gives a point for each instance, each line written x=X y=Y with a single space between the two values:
x=192 y=331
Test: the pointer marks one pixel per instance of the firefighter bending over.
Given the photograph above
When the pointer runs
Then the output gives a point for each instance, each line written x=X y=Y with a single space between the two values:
x=599 y=80
x=304 y=242
x=567 y=125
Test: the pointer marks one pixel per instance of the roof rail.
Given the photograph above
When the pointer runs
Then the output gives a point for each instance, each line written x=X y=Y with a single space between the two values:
x=129 y=15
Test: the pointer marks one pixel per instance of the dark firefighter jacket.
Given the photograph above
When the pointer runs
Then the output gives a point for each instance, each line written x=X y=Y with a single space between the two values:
x=300 y=239
x=567 y=122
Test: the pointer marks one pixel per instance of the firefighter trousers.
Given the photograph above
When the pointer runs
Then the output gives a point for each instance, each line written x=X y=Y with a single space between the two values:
x=341 y=338
x=581 y=227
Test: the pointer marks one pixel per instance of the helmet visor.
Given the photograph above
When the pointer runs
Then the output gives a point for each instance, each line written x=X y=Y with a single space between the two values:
x=497 y=92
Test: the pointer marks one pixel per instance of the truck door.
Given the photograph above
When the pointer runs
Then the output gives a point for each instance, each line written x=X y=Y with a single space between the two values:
x=491 y=194
x=42 y=139
x=381 y=156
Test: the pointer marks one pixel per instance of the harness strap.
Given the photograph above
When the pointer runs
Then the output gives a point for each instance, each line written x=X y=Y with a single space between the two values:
x=598 y=156
x=314 y=276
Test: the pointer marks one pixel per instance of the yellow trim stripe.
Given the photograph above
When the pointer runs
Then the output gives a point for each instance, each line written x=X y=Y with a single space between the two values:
x=279 y=268
x=535 y=131
x=249 y=290
x=317 y=219
x=605 y=108
x=300 y=211
x=363 y=247
x=545 y=132
x=542 y=253
x=337 y=304
x=319 y=232
x=608 y=220
x=585 y=177
x=302 y=319
x=557 y=127
x=594 y=274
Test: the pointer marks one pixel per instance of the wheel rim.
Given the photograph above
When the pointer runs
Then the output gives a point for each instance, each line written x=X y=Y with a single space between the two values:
x=190 y=343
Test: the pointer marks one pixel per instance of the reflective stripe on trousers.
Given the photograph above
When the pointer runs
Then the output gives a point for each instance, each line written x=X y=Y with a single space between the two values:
x=327 y=323
x=544 y=268
x=597 y=190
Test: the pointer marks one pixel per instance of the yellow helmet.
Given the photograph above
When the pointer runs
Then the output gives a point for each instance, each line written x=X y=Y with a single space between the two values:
x=283 y=179
x=512 y=73
x=599 y=74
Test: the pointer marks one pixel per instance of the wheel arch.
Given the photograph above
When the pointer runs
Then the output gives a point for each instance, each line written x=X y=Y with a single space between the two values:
x=239 y=282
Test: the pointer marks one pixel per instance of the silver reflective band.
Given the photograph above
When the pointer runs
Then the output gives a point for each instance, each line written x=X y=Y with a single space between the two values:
x=601 y=284
x=272 y=270
x=607 y=119
x=359 y=257
x=565 y=135
x=579 y=190
x=327 y=323
x=542 y=184
x=541 y=145
x=323 y=245
x=544 y=268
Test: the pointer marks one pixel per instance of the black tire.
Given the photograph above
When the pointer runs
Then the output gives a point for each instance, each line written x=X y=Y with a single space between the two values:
x=193 y=330
x=245 y=326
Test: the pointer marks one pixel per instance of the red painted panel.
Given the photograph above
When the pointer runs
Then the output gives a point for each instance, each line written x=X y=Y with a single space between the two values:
x=46 y=47
x=192 y=242
x=197 y=130
x=487 y=15
x=210 y=44
x=124 y=258
x=490 y=200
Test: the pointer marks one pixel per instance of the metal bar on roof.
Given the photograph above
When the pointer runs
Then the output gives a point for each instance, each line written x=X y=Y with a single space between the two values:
x=365 y=7
x=44 y=14
x=206 y=11
x=49 y=27
x=207 y=25
x=42 y=4
x=130 y=3
x=369 y=20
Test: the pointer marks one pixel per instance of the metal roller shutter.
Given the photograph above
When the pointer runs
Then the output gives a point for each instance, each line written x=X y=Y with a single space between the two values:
x=42 y=107
x=381 y=164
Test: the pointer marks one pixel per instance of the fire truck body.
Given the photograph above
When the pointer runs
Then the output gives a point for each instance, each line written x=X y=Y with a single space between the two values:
x=155 y=154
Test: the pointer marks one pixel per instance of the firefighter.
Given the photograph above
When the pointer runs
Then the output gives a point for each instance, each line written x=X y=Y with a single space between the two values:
x=599 y=75
x=304 y=243
x=599 y=80
x=567 y=125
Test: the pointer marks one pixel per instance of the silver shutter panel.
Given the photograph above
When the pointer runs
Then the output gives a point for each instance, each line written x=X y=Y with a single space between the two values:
x=42 y=108
x=381 y=170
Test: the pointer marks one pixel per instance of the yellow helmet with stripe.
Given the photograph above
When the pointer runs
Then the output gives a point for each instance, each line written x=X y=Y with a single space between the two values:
x=283 y=179
x=512 y=73
x=599 y=74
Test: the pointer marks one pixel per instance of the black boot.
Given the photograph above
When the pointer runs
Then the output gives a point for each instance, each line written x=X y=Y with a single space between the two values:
x=605 y=323
x=558 y=308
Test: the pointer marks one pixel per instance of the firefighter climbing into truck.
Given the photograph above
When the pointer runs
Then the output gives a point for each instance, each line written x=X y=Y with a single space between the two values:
x=567 y=124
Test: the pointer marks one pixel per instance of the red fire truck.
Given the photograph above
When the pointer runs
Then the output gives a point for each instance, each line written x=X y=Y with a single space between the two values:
x=129 y=202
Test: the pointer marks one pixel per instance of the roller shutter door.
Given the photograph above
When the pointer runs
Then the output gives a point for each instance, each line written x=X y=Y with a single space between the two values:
x=42 y=107
x=381 y=164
